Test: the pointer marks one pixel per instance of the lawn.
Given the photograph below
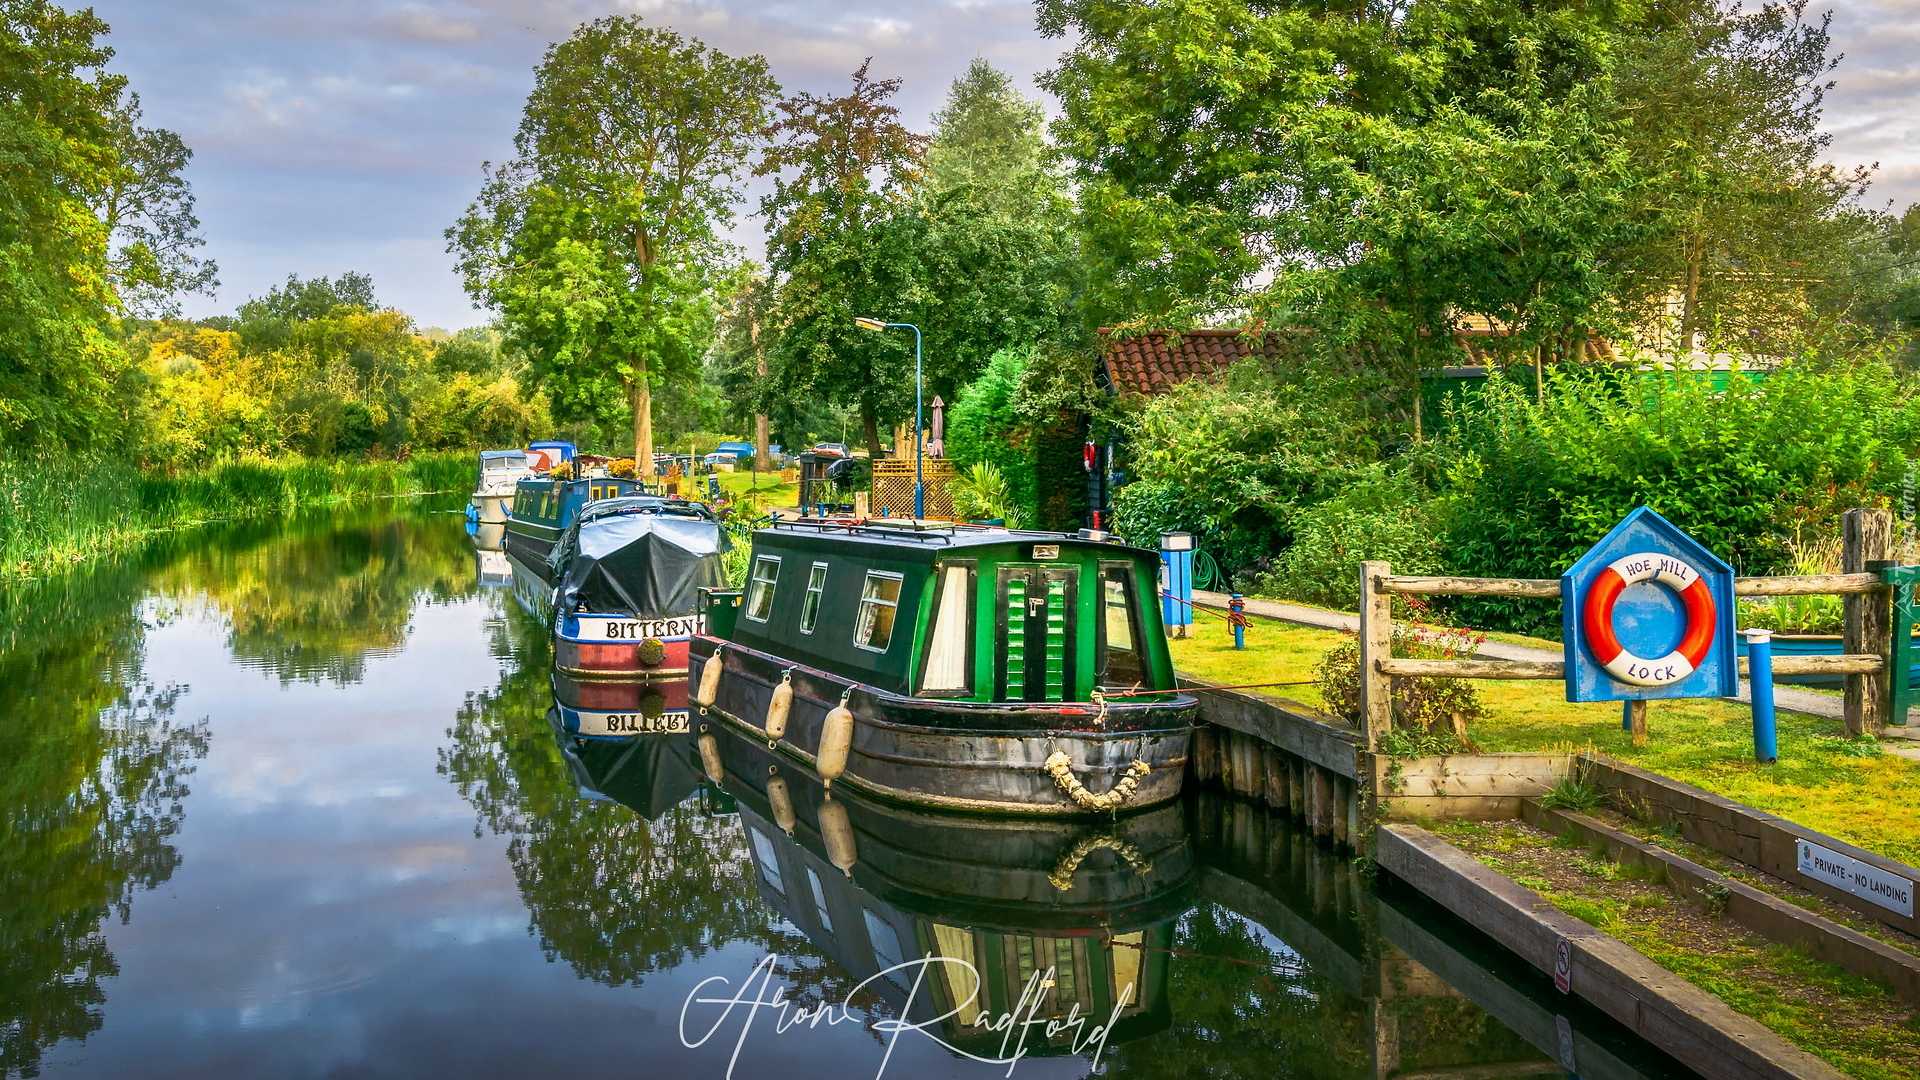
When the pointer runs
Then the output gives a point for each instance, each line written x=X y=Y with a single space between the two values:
x=762 y=488
x=1822 y=781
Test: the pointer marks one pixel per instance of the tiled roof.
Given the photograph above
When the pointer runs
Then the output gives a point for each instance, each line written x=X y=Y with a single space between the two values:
x=1154 y=362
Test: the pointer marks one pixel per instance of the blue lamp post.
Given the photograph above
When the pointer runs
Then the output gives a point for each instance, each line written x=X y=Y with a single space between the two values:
x=919 y=481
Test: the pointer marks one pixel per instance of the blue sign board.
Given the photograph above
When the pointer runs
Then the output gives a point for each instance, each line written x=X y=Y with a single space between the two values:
x=1648 y=613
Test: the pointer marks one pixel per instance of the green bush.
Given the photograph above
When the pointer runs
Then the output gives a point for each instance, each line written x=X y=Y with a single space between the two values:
x=984 y=426
x=981 y=493
x=1382 y=516
x=1745 y=464
x=1430 y=716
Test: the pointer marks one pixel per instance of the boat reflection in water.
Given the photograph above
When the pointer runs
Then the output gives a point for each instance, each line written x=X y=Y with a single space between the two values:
x=619 y=708
x=1013 y=923
x=649 y=776
x=491 y=567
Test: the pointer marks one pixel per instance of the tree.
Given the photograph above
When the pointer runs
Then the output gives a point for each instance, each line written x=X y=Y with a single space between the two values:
x=60 y=371
x=987 y=134
x=601 y=242
x=841 y=167
x=147 y=209
x=1748 y=222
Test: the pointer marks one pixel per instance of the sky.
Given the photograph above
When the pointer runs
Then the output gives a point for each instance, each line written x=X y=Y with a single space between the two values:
x=347 y=135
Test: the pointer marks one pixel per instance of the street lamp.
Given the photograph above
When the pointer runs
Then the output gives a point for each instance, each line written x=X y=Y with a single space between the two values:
x=919 y=480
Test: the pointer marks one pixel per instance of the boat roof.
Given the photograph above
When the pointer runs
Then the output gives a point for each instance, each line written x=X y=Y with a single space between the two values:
x=503 y=455
x=645 y=504
x=899 y=538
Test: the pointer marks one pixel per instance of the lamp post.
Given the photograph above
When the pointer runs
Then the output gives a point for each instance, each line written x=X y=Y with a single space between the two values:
x=919 y=480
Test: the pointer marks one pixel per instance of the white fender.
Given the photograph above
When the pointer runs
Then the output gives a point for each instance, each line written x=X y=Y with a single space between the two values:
x=710 y=758
x=782 y=801
x=709 y=680
x=837 y=830
x=836 y=739
x=777 y=708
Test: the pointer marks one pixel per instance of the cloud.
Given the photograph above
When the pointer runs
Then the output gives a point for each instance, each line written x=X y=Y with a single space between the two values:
x=421 y=24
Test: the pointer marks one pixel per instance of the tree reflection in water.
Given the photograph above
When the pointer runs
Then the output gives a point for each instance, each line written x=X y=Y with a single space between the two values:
x=96 y=769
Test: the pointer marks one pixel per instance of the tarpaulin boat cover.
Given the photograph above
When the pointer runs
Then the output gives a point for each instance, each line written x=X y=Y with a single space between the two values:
x=641 y=555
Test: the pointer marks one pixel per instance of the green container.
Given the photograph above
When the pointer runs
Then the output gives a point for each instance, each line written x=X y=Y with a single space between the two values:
x=722 y=609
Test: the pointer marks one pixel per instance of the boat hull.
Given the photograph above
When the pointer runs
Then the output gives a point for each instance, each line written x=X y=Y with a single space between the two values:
x=595 y=709
x=965 y=756
x=491 y=509
x=583 y=646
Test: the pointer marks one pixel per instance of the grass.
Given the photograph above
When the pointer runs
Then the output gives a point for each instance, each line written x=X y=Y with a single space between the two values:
x=57 y=511
x=1820 y=780
x=1855 y=1024
x=763 y=488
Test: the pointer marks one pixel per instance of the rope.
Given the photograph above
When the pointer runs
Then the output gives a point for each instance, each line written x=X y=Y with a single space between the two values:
x=1061 y=768
x=1062 y=876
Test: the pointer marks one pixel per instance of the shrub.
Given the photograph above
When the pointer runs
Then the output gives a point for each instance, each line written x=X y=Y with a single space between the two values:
x=1433 y=712
x=984 y=426
x=1744 y=463
x=1383 y=516
x=622 y=468
x=980 y=493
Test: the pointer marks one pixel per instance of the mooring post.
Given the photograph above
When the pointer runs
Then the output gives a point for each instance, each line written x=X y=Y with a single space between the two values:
x=1867 y=536
x=1237 y=605
x=1633 y=718
x=1760 y=677
x=1376 y=644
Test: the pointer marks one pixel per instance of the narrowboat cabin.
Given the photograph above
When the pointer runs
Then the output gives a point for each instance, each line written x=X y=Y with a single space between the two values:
x=957 y=921
x=959 y=667
x=627 y=578
x=542 y=509
x=500 y=472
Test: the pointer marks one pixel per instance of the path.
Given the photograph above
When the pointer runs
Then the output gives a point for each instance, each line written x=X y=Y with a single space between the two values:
x=1785 y=697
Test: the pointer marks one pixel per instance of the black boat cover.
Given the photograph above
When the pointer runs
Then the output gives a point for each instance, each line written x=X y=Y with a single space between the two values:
x=642 y=555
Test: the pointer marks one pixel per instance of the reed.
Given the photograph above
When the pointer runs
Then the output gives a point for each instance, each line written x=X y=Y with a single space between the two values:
x=55 y=511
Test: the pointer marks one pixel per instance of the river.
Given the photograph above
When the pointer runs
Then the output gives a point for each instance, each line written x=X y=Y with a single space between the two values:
x=282 y=799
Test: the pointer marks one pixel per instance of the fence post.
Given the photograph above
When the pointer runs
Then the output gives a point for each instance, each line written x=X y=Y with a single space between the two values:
x=1901 y=692
x=1867 y=537
x=1376 y=644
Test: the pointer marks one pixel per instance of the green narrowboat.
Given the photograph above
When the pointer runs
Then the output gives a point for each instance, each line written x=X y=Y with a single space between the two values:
x=543 y=508
x=958 y=667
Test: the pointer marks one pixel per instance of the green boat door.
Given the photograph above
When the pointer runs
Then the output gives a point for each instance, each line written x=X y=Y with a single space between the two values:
x=1036 y=606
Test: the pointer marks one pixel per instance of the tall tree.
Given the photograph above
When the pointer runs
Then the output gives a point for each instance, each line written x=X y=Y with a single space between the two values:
x=842 y=167
x=147 y=209
x=988 y=134
x=59 y=368
x=601 y=243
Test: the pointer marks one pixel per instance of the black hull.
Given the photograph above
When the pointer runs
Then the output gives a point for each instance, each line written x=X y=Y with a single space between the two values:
x=955 y=755
x=532 y=551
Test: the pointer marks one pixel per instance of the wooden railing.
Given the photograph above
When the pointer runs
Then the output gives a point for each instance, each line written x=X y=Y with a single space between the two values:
x=1871 y=694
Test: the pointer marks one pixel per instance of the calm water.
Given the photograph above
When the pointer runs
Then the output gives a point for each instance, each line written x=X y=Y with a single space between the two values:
x=283 y=800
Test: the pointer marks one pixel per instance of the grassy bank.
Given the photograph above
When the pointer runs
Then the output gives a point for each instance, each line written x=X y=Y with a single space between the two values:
x=57 y=511
x=1822 y=780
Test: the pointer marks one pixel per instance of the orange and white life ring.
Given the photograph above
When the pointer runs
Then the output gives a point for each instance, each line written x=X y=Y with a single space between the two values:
x=1596 y=618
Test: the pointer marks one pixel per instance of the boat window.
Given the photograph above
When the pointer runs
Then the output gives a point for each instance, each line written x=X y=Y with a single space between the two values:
x=810 y=607
x=820 y=901
x=766 y=572
x=1122 y=663
x=886 y=943
x=878 y=599
x=947 y=667
x=769 y=862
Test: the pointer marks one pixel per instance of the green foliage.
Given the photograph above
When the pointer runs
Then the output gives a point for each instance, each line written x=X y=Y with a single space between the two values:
x=1574 y=794
x=602 y=242
x=58 y=510
x=1526 y=487
x=1383 y=515
x=1238 y=459
x=980 y=493
x=987 y=135
x=985 y=427
x=1432 y=713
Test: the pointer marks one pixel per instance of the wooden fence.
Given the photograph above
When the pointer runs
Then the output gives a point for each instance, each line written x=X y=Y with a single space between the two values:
x=1869 y=640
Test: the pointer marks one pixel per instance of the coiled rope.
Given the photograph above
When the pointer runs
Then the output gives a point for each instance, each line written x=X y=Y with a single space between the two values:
x=1061 y=768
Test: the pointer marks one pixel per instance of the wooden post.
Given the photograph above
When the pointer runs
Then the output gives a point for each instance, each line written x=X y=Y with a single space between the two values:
x=1276 y=770
x=1320 y=802
x=1867 y=537
x=1297 y=787
x=1637 y=721
x=1342 y=795
x=1376 y=644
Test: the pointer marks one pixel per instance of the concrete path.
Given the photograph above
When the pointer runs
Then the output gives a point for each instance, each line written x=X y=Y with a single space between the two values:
x=1785 y=697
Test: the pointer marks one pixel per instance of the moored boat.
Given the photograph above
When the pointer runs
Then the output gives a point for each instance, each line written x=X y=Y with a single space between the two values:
x=958 y=667
x=500 y=471
x=543 y=507
x=627 y=574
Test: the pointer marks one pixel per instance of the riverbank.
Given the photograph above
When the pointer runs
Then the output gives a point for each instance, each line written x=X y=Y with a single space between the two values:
x=1851 y=790
x=55 y=511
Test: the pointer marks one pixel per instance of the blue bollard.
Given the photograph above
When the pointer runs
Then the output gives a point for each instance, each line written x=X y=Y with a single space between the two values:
x=1766 y=748
x=1237 y=604
x=1626 y=715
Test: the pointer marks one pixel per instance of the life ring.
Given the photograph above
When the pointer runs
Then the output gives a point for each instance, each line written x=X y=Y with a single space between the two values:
x=1596 y=618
